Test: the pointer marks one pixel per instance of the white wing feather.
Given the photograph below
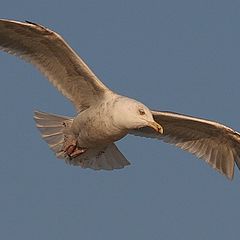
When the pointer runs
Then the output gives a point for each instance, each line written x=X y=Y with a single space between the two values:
x=54 y=58
x=107 y=158
x=215 y=143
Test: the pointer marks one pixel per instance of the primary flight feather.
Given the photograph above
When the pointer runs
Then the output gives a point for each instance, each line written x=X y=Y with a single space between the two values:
x=103 y=116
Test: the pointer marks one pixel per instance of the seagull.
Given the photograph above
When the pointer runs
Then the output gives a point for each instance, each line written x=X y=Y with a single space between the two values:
x=103 y=116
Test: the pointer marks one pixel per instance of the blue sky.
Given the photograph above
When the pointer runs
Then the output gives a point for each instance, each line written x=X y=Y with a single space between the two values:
x=180 y=56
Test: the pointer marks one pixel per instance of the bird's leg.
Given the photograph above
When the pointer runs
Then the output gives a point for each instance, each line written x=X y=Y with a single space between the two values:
x=71 y=149
x=77 y=152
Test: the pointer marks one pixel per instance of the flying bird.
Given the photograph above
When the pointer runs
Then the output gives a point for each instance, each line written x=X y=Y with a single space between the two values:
x=103 y=116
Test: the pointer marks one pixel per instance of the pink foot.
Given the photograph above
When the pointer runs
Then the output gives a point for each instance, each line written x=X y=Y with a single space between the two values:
x=72 y=150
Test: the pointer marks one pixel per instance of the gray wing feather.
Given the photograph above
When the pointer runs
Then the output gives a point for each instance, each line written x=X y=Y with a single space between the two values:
x=213 y=142
x=54 y=58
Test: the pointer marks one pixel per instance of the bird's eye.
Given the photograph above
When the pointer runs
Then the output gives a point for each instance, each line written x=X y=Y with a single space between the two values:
x=141 y=112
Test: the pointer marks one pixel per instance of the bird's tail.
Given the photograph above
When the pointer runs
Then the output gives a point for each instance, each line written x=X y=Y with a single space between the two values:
x=53 y=128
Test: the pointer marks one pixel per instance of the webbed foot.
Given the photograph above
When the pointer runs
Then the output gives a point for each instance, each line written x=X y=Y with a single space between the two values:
x=71 y=149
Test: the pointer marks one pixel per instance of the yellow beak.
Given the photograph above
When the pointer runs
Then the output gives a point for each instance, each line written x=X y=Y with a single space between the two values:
x=157 y=127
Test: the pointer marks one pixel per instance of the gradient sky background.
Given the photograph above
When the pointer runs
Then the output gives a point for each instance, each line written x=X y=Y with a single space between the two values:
x=181 y=56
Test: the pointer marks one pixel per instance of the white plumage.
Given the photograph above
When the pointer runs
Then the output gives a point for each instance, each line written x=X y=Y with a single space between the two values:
x=103 y=116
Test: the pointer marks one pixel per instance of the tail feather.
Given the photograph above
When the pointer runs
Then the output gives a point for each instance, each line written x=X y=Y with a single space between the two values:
x=52 y=129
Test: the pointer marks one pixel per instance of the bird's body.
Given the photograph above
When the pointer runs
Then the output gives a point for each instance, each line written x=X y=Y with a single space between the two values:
x=103 y=116
x=98 y=117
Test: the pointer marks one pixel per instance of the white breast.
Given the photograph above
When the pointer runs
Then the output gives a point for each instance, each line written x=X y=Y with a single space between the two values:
x=94 y=127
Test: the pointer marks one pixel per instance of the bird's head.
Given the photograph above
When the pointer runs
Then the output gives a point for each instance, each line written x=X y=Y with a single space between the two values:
x=130 y=114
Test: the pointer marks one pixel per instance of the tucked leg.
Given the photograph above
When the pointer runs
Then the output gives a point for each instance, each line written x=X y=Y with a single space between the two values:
x=71 y=149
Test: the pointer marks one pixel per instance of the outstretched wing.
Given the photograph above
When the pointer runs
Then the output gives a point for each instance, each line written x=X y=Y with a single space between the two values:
x=54 y=58
x=215 y=143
